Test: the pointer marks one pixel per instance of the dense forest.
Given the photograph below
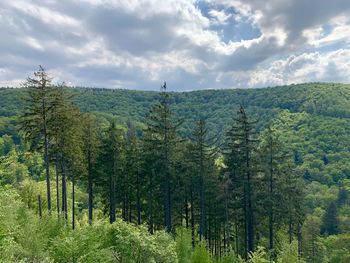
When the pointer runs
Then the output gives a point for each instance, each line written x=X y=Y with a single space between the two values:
x=243 y=175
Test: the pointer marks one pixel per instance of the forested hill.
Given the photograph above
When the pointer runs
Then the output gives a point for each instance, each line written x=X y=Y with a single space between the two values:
x=216 y=106
x=313 y=118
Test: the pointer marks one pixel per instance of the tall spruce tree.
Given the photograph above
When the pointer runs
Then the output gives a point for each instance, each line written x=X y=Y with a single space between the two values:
x=239 y=151
x=330 y=221
x=161 y=131
x=66 y=146
x=35 y=120
x=112 y=155
x=202 y=155
x=90 y=149
x=272 y=158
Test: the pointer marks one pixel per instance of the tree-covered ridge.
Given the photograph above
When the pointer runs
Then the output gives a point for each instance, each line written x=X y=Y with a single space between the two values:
x=214 y=105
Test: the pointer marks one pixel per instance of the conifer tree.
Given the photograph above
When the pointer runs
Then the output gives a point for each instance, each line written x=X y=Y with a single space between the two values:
x=36 y=118
x=272 y=159
x=112 y=160
x=239 y=151
x=67 y=142
x=161 y=131
x=202 y=155
x=330 y=221
x=90 y=149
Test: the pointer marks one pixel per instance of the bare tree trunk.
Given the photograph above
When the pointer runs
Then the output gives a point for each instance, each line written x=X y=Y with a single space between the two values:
x=90 y=185
x=192 y=218
x=73 y=202
x=138 y=201
x=57 y=187
x=40 y=209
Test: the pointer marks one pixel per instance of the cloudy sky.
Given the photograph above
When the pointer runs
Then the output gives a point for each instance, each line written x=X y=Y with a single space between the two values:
x=138 y=44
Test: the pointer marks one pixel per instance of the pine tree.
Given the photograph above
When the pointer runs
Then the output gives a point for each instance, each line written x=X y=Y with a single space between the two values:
x=293 y=196
x=161 y=137
x=35 y=120
x=272 y=159
x=112 y=158
x=330 y=221
x=66 y=146
x=239 y=151
x=202 y=155
x=90 y=149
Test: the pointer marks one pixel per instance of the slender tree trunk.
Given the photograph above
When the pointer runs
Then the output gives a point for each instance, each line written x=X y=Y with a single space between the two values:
x=90 y=184
x=39 y=206
x=124 y=211
x=192 y=219
x=47 y=162
x=186 y=212
x=150 y=207
x=290 y=229
x=130 y=205
x=202 y=209
x=236 y=236
x=201 y=188
x=226 y=226
x=299 y=240
x=64 y=193
x=112 y=200
x=249 y=197
x=73 y=202
x=57 y=187
x=270 y=201
x=245 y=210
x=138 y=201
x=167 y=205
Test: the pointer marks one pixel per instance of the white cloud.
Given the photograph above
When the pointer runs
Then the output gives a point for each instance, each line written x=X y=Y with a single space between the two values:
x=140 y=43
x=219 y=17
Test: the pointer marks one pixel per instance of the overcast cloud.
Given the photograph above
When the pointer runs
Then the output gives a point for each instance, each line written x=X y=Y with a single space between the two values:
x=137 y=44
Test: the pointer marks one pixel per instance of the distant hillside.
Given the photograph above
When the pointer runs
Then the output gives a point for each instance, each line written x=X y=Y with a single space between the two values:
x=216 y=106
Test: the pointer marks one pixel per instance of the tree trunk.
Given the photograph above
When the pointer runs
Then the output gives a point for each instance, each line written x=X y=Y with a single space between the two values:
x=39 y=206
x=192 y=219
x=186 y=212
x=150 y=206
x=270 y=201
x=112 y=199
x=46 y=157
x=73 y=202
x=57 y=187
x=138 y=201
x=90 y=183
x=64 y=193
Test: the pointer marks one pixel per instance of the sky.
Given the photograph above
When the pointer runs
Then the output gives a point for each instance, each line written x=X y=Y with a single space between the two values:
x=203 y=44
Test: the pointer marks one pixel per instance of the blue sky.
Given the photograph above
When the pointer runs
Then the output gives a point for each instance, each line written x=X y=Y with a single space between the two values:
x=138 y=44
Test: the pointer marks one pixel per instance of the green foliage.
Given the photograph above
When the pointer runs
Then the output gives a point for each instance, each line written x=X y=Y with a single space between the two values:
x=338 y=248
x=201 y=254
x=184 y=245
x=12 y=171
x=258 y=256
x=50 y=240
x=231 y=258
x=289 y=253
